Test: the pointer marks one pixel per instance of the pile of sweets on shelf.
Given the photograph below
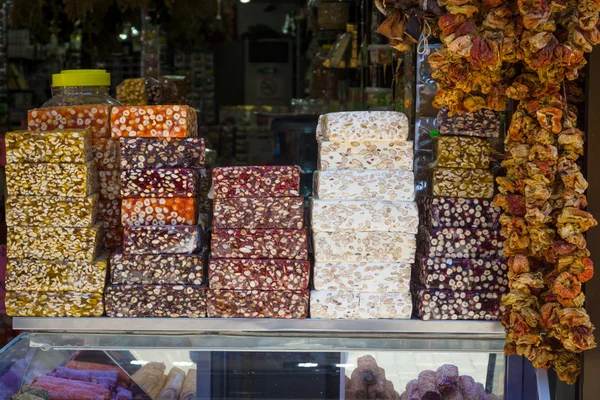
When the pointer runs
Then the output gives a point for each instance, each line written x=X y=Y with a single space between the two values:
x=54 y=266
x=364 y=218
x=259 y=260
x=460 y=272
x=105 y=153
x=160 y=269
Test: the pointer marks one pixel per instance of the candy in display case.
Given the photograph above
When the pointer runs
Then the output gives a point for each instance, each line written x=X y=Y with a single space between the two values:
x=105 y=152
x=154 y=121
x=286 y=244
x=159 y=211
x=65 y=180
x=390 y=185
x=259 y=212
x=458 y=182
x=139 y=153
x=250 y=274
x=456 y=212
x=462 y=152
x=166 y=182
x=52 y=211
x=162 y=239
x=63 y=146
x=364 y=246
x=366 y=155
x=256 y=181
x=363 y=126
x=160 y=269
x=95 y=117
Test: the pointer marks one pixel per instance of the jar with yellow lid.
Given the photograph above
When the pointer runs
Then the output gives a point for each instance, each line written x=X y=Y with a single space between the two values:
x=80 y=87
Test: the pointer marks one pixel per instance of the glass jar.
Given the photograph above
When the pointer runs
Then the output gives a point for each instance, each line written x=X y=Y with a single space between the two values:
x=80 y=87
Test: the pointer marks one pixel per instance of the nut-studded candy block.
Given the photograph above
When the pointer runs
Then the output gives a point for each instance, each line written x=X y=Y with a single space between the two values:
x=167 y=182
x=161 y=269
x=95 y=117
x=57 y=276
x=166 y=239
x=139 y=92
x=385 y=306
x=64 y=146
x=112 y=238
x=454 y=212
x=457 y=305
x=345 y=246
x=53 y=243
x=364 y=216
x=367 y=277
x=259 y=213
x=482 y=123
x=342 y=304
x=154 y=121
x=159 y=211
x=391 y=185
x=363 y=126
x=106 y=153
x=366 y=155
x=175 y=301
x=65 y=180
x=109 y=213
x=285 y=244
x=460 y=242
x=110 y=185
x=257 y=304
x=457 y=182
x=463 y=274
x=51 y=211
x=263 y=181
x=140 y=153
x=54 y=304
x=246 y=274
x=462 y=152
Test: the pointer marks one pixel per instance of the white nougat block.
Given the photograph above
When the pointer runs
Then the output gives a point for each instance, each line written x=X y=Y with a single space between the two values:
x=385 y=306
x=354 y=184
x=375 y=155
x=364 y=216
x=363 y=125
x=366 y=277
x=345 y=246
x=334 y=305
x=351 y=305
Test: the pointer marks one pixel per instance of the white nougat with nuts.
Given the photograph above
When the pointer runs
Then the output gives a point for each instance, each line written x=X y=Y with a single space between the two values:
x=354 y=184
x=363 y=125
x=353 y=305
x=376 y=155
x=367 y=277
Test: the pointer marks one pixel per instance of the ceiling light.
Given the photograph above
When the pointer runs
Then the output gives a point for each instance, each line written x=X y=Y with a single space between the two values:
x=244 y=1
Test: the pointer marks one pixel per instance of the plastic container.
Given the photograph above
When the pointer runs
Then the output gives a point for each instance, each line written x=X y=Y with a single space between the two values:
x=81 y=87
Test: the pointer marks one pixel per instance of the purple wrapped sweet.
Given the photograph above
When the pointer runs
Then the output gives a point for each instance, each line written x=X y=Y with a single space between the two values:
x=470 y=389
x=456 y=394
x=447 y=378
x=428 y=386
x=412 y=390
x=123 y=394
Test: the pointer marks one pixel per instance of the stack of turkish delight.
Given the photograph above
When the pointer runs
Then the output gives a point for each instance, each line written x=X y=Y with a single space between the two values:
x=54 y=266
x=364 y=218
x=460 y=270
x=160 y=269
x=259 y=266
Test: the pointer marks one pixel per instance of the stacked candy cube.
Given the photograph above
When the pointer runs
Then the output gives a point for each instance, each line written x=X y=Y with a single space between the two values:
x=460 y=269
x=54 y=267
x=364 y=218
x=259 y=266
x=160 y=269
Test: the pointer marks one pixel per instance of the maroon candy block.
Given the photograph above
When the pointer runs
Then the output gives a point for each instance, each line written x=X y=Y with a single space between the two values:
x=257 y=304
x=167 y=182
x=259 y=213
x=248 y=274
x=263 y=181
x=284 y=244
x=161 y=239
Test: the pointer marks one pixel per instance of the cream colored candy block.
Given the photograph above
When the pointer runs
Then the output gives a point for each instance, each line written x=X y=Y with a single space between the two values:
x=365 y=246
x=334 y=305
x=363 y=125
x=367 y=277
x=366 y=155
x=364 y=216
x=353 y=184
x=385 y=306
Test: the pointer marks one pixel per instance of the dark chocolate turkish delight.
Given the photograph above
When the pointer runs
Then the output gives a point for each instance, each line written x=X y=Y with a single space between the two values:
x=249 y=274
x=285 y=244
x=167 y=182
x=456 y=305
x=160 y=269
x=141 y=153
x=161 y=239
x=463 y=274
x=446 y=212
x=256 y=181
x=460 y=242
x=257 y=304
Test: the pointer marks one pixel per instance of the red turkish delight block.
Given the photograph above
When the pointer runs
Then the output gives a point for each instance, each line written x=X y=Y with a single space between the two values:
x=167 y=182
x=249 y=274
x=262 y=181
x=284 y=244
x=259 y=213
x=257 y=304
x=161 y=239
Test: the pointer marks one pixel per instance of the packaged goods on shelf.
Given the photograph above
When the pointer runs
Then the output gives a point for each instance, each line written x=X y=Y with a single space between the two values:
x=154 y=121
x=175 y=301
x=482 y=123
x=463 y=274
x=364 y=246
x=285 y=244
x=456 y=305
x=110 y=185
x=457 y=182
x=65 y=180
x=362 y=126
x=446 y=212
x=165 y=239
x=140 y=153
x=342 y=304
x=112 y=238
x=106 y=153
x=364 y=216
x=51 y=211
x=139 y=92
x=160 y=269
x=462 y=152
x=259 y=212
x=54 y=304
x=366 y=155
x=53 y=243
x=64 y=146
x=257 y=304
x=367 y=277
x=95 y=117
x=249 y=274
x=167 y=182
x=159 y=211
x=391 y=185
x=109 y=213
x=174 y=89
x=256 y=181
x=460 y=242
x=57 y=276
